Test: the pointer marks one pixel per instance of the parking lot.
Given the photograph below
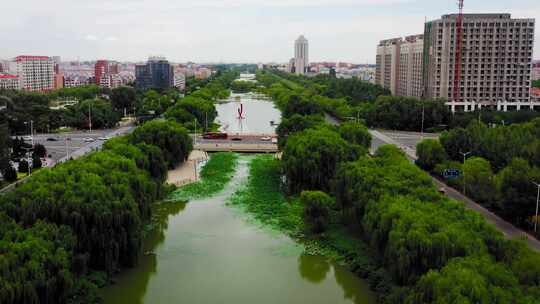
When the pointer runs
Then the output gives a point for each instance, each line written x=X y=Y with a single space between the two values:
x=61 y=146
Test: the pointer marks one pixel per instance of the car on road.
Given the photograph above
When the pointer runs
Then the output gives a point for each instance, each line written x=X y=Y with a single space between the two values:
x=27 y=138
x=236 y=139
x=88 y=139
x=52 y=139
x=266 y=138
x=442 y=190
x=274 y=140
x=104 y=138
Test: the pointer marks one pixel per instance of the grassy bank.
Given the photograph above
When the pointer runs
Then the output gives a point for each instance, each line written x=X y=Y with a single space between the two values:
x=217 y=172
x=263 y=199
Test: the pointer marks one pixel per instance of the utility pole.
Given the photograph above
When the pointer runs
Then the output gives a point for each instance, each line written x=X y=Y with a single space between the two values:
x=90 y=116
x=423 y=116
x=32 y=132
x=464 y=158
x=195 y=137
x=537 y=200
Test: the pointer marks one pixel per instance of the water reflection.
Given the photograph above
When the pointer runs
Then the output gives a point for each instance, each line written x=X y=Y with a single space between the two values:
x=313 y=268
x=258 y=114
x=204 y=252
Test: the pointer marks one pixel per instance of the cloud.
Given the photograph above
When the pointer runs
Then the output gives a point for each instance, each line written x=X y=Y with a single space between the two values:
x=90 y=37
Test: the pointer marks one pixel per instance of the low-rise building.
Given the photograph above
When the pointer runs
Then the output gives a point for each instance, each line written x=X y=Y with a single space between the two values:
x=9 y=82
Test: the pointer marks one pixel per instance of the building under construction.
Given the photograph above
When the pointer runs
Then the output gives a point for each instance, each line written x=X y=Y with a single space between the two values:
x=496 y=61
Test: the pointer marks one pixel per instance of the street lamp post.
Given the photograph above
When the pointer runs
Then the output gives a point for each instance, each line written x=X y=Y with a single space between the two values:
x=537 y=200
x=464 y=158
x=423 y=116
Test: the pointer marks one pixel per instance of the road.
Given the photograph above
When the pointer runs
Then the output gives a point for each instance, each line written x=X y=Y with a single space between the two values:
x=74 y=144
x=247 y=143
x=407 y=142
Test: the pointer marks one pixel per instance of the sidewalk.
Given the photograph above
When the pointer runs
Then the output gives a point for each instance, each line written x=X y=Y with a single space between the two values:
x=187 y=172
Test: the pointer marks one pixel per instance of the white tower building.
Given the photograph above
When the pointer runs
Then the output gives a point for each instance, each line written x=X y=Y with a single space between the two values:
x=301 y=55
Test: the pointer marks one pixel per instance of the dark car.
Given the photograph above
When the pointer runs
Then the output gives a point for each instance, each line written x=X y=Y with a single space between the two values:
x=52 y=139
x=236 y=139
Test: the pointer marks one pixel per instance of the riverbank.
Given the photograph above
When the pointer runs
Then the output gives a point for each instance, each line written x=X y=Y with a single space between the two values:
x=186 y=172
x=215 y=174
x=263 y=199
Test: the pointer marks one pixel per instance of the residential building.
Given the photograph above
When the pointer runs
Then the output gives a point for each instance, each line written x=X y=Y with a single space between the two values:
x=496 y=61
x=58 y=81
x=156 y=73
x=179 y=80
x=387 y=61
x=9 y=82
x=101 y=69
x=36 y=73
x=301 y=55
x=409 y=82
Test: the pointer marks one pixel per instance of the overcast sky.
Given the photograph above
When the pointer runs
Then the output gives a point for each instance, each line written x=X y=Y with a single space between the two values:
x=223 y=30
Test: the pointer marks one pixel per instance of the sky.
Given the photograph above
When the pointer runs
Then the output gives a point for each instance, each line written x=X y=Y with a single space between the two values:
x=224 y=30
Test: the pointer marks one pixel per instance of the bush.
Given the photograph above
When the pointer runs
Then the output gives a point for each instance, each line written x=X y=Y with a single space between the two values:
x=9 y=173
x=430 y=152
x=24 y=167
x=317 y=206
x=36 y=162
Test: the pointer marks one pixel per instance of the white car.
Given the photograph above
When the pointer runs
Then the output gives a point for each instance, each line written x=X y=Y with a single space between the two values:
x=266 y=138
x=88 y=139
x=27 y=138
x=104 y=138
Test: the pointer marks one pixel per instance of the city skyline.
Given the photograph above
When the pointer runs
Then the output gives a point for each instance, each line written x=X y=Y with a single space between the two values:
x=216 y=31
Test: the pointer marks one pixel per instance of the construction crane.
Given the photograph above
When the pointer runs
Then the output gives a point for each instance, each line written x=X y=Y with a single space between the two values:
x=459 y=53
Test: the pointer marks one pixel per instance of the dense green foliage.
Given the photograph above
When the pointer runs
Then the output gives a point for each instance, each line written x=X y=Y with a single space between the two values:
x=505 y=163
x=215 y=174
x=310 y=159
x=536 y=83
x=84 y=215
x=404 y=113
x=23 y=107
x=170 y=136
x=241 y=86
x=317 y=206
x=193 y=108
x=430 y=153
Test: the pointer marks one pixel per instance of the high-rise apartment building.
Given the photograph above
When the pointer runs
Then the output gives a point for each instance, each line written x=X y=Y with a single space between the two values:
x=301 y=55
x=496 y=61
x=101 y=69
x=106 y=74
x=387 y=70
x=36 y=73
x=411 y=53
x=156 y=73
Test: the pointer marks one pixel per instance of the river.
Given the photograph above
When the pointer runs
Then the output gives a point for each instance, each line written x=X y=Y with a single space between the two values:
x=208 y=252
x=257 y=114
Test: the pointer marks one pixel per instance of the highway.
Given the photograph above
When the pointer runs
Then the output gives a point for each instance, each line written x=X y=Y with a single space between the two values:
x=407 y=142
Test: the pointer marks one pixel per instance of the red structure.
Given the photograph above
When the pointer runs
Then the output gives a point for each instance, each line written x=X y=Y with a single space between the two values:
x=459 y=53
x=101 y=68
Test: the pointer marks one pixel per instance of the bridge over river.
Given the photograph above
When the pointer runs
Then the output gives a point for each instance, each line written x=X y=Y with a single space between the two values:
x=244 y=143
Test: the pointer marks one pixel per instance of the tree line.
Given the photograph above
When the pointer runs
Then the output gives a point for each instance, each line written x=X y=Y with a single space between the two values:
x=85 y=215
x=501 y=166
x=432 y=249
x=378 y=109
